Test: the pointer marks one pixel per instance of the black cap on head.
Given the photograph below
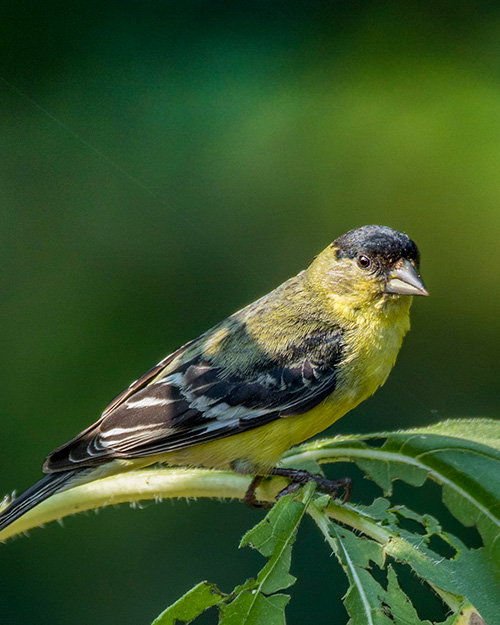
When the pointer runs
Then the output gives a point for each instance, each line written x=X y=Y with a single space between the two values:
x=377 y=241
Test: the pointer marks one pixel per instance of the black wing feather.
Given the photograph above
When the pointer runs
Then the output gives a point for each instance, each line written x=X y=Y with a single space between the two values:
x=180 y=403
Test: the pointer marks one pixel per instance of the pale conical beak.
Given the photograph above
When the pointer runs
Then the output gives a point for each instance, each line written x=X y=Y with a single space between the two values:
x=405 y=281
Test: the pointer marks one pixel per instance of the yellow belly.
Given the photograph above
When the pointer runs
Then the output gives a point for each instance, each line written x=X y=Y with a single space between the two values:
x=260 y=448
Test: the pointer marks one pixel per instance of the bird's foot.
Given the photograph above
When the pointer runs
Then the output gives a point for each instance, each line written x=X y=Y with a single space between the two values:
x=297 y=478
x=250 y=499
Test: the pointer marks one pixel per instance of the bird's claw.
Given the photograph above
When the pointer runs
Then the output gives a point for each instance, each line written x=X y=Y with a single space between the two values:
x=297 y=478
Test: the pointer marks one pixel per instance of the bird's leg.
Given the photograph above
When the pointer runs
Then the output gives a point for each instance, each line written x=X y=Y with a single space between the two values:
x=250 y=498
x=297 y=477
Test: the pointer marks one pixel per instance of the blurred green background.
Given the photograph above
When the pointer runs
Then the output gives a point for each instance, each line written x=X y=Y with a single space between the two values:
x=163 y=164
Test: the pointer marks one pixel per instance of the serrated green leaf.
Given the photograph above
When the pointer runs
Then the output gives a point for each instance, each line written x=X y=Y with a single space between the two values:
x=277 y=527
x=254 y=602
x=360 y=551
x=255 y=609
x=379 y=510
x=364 y=599
x=401 y=609
x=428 y=522
x=483 y=431
x=384 y=473
x=464 y=457
x=191 y=605
x=476 y=575
x=274 y=538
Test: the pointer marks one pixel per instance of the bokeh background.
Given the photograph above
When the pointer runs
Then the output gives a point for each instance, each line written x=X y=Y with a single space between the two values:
x=165 y=163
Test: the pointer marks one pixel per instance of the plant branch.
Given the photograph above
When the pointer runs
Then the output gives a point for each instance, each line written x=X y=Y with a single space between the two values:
x=154 y=483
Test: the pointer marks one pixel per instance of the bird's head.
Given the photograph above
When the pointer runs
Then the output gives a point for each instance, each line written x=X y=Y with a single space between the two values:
x=369 y=265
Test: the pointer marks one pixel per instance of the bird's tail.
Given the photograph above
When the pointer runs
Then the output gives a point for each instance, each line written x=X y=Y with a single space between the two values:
x=43 y=489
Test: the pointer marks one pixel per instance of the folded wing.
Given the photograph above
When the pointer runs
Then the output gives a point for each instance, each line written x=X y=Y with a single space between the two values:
x=185 y=401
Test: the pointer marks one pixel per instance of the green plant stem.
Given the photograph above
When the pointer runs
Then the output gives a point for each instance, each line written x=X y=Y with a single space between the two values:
x=166 y=483
x=153 y=483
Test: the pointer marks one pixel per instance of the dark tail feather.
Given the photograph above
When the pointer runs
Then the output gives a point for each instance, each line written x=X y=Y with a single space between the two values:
x=43 y=489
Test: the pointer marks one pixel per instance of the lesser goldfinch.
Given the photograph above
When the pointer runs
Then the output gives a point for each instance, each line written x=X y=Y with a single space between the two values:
x=266 y=378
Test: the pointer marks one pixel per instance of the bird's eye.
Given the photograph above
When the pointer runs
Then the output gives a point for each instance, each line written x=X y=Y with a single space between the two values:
x=364 y=262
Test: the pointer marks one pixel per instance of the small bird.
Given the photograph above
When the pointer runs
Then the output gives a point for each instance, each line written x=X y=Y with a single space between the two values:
x=266 y=378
